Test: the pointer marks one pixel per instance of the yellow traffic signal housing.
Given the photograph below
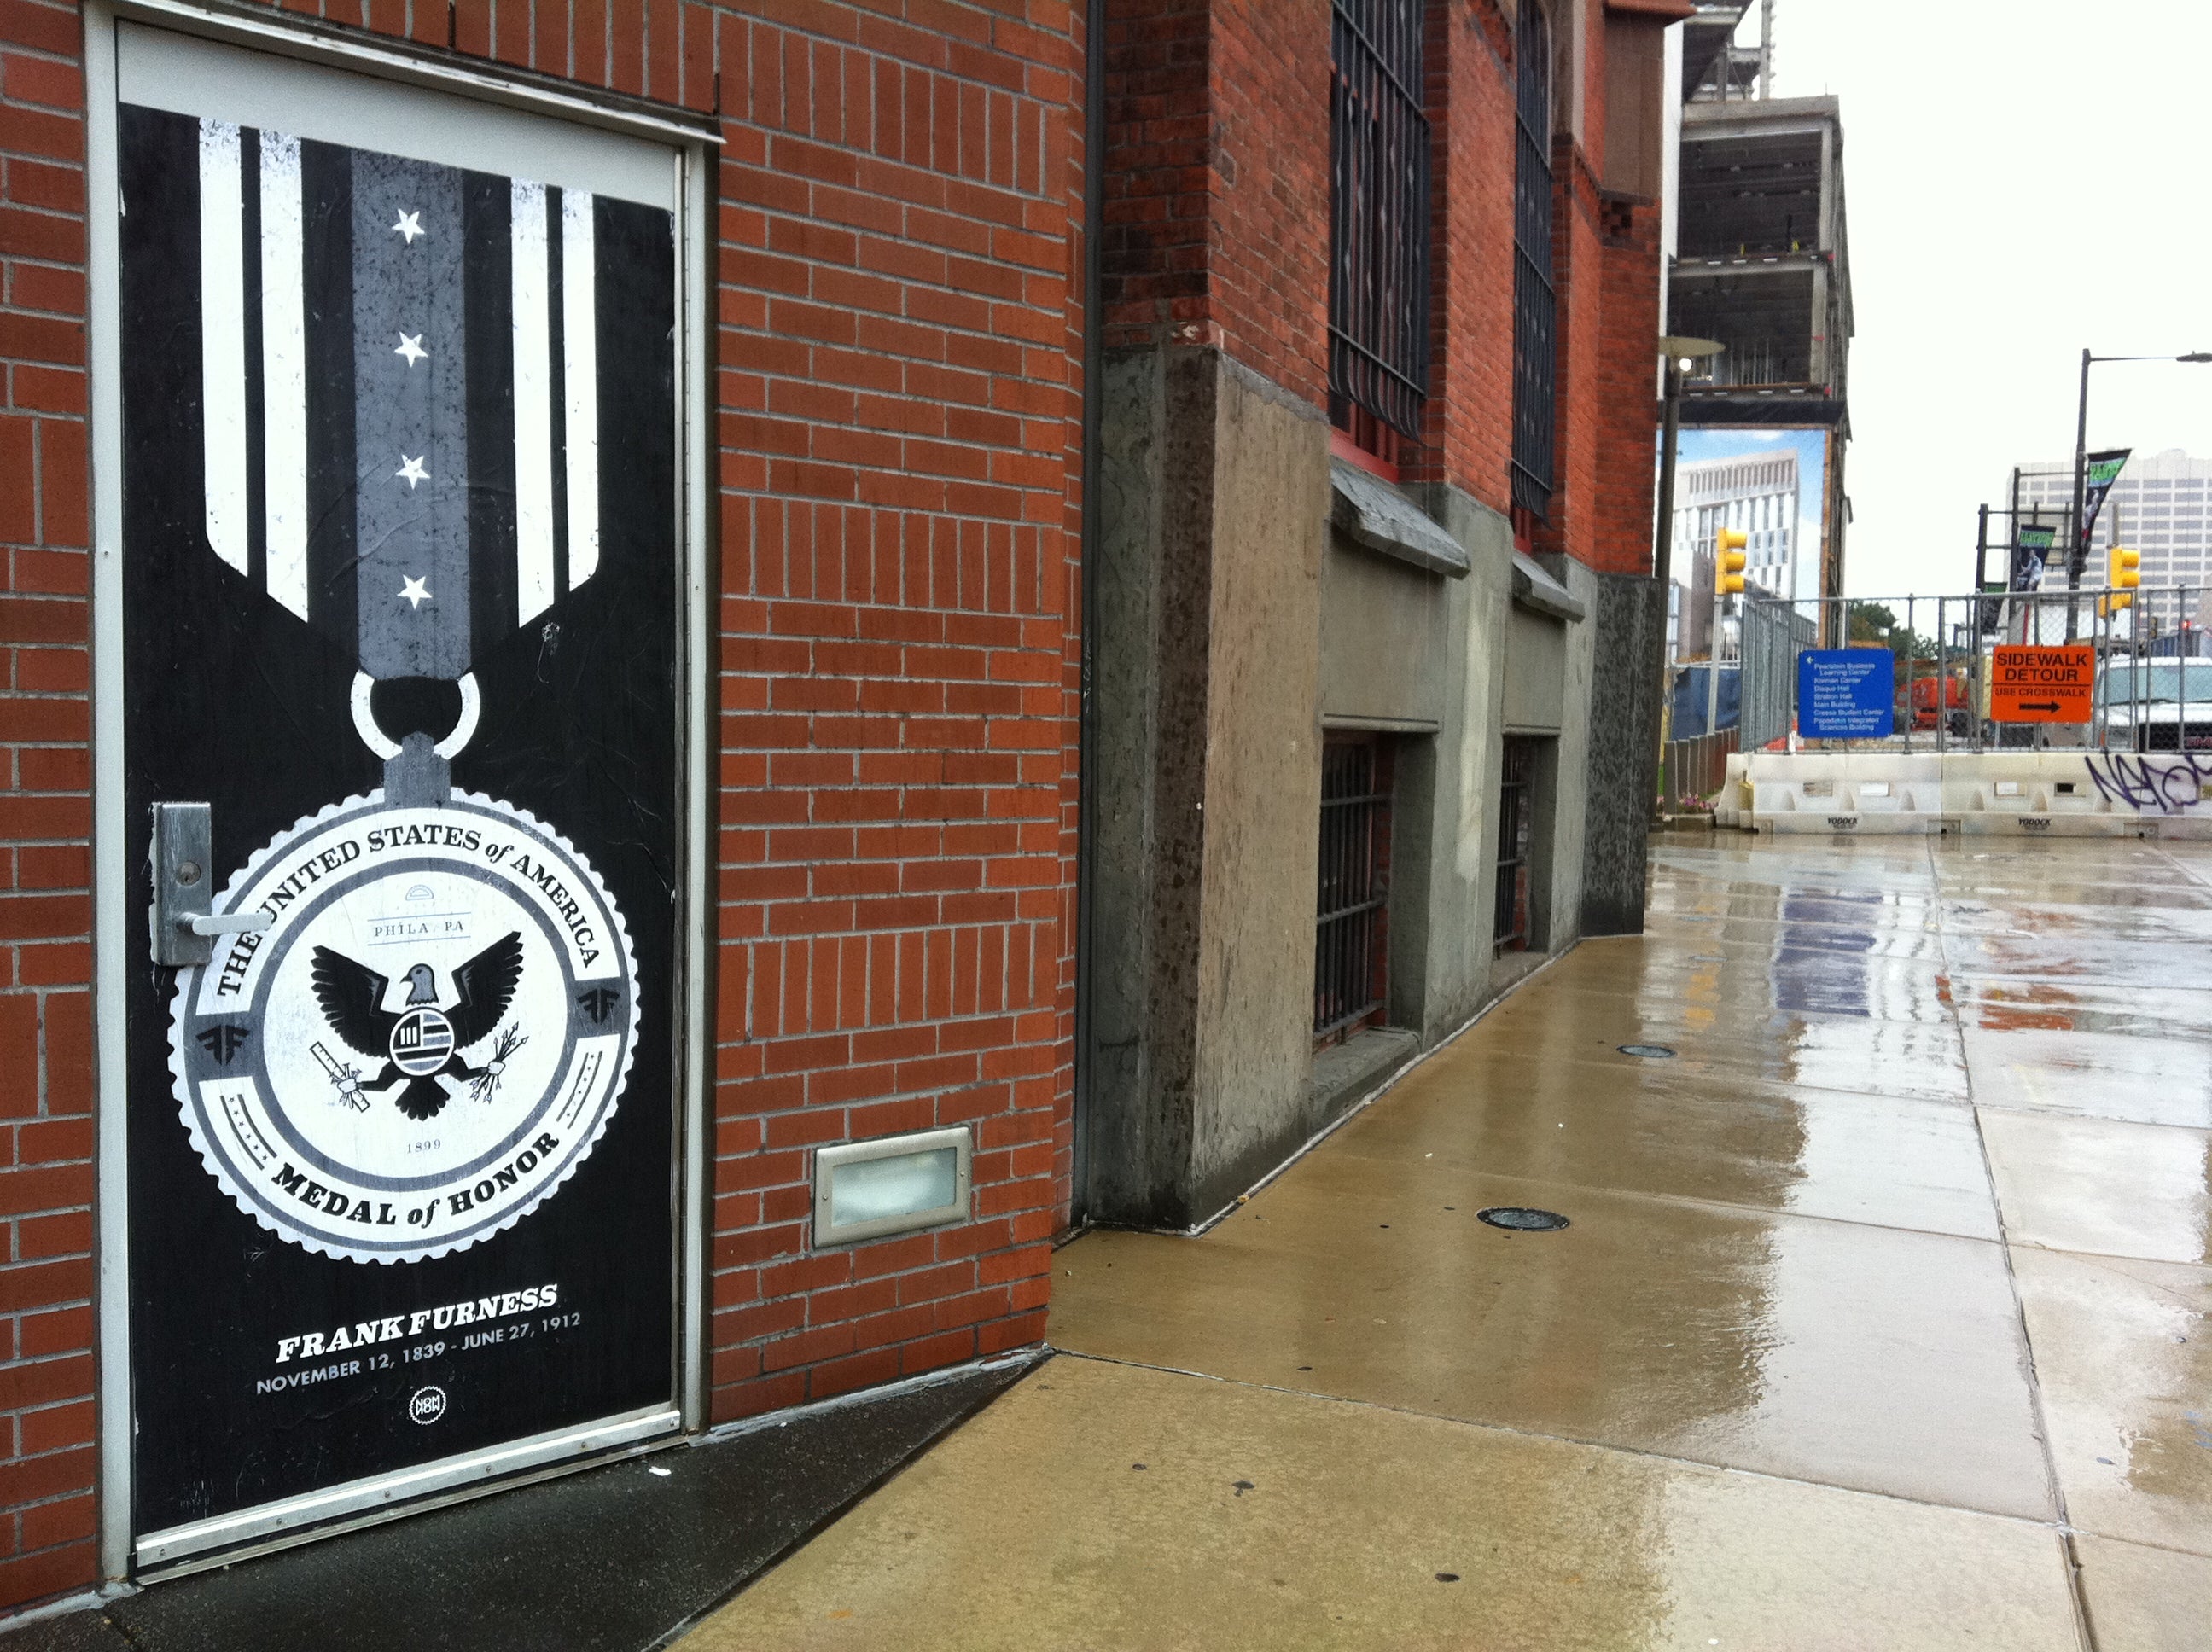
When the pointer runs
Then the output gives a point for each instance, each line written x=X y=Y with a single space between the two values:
x=1728 y=561
x=2122 y=574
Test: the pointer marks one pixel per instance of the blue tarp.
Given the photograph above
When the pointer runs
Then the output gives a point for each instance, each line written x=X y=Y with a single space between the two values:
x=1690 y=692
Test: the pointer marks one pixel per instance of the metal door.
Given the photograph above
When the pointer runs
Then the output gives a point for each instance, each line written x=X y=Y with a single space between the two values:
x=401 y=642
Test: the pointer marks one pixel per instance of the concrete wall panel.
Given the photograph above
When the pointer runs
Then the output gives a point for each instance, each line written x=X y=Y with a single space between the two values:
x=1262 y=786
x=1463 y=842
x=1208 y=770
x=1622 y=763
x=1144 y=857
x=1383 y=636
x=1560 y=902
x=1535 y=671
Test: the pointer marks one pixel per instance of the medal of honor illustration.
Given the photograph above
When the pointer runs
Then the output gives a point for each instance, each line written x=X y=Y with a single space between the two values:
x=435 y=1027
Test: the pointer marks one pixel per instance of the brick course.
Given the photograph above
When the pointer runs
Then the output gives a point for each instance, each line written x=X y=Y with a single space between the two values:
x=896 y=431
x=1468 y=441
x=1216 y=221
x=47 y=1460
x=1627 y=387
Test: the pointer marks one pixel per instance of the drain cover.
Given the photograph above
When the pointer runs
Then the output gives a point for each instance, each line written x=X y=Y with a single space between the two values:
x=1523 y=1219
x=1650 y=1052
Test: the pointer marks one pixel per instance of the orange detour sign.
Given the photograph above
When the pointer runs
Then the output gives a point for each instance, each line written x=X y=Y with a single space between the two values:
x=2032 y=684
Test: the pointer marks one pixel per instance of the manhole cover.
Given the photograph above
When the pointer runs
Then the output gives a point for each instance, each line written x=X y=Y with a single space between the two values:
x=1521 y=1219
x=1649 y=1052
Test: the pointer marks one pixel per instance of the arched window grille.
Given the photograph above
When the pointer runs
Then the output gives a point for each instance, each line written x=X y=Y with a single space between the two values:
x=1378 y=285
x=1534 y=322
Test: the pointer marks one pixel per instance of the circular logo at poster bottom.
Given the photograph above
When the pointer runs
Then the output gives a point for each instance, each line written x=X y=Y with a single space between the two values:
x=430 y=1037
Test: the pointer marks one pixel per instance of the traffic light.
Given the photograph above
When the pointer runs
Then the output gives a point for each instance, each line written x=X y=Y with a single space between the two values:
x=2121 y=574
x=1728 y=561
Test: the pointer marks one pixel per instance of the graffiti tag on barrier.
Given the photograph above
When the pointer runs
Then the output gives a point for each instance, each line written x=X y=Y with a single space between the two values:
x=2171 y=787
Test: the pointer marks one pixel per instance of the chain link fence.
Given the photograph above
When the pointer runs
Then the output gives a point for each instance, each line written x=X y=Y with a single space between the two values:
x=2153 y=652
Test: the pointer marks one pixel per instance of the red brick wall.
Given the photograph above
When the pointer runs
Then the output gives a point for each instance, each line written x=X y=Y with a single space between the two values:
x=899 y=203
x=1468 y=441
x=1627 y=389
x=1577 y=461
x=1606 y=270
x=897 y=404
x=1217 y=228
x=1604 y=252
x=47 y=1460
x=1216 y=225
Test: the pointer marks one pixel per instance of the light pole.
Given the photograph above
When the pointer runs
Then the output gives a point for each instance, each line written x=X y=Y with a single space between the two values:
x=1682 y=355
x=2077 y=554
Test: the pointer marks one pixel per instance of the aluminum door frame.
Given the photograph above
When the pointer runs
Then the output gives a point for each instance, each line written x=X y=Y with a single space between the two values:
x=119 y=937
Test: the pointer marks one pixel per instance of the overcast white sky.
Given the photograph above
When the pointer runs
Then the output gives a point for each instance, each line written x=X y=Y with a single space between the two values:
x=2021 y=177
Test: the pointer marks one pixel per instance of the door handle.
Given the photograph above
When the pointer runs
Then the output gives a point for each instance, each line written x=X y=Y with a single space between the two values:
x=231 y=923
x=182 y=929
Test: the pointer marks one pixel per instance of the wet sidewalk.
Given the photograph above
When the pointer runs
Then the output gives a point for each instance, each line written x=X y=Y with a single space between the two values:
x=1880 y=1320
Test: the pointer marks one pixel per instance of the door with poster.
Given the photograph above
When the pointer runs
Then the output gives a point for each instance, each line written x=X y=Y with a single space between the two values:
x=402 y=602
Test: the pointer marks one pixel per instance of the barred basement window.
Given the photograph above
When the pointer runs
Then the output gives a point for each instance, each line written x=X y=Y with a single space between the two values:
x=1535 y=327
x=1378 y=232
x=1352 y=909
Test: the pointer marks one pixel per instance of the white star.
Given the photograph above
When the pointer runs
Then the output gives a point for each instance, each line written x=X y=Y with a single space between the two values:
x=410 y=471
x=415 y=592
x=411 y=226
x=412 y=348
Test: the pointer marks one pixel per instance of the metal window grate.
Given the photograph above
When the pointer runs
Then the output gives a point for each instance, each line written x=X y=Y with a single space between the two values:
x=1378 y=238
x=1511 y=929
x=1534 y=303
x=1351 y=908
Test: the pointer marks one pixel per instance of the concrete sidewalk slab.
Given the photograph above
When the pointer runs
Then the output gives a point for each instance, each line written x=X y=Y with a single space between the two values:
x=2123 y=1355
x=1109 y=1507
x=1826 y=1051
x=1869 y=1358
x=2099 y=1185
x=2143 y=1600
x=2092 y=1075
x=1901 y=1162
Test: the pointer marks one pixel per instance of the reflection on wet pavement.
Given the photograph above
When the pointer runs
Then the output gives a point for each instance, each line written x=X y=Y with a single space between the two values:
x=1914 y=1226
x=2141 y=1011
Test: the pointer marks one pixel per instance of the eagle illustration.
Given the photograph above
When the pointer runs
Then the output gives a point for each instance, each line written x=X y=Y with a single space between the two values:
x=423 y=1042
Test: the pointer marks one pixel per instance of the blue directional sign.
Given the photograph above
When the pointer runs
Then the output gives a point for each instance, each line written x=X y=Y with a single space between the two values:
x=1846 y=694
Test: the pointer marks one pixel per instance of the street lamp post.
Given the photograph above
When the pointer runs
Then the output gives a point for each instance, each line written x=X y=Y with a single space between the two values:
x=2077 y=554
x=1682 y=355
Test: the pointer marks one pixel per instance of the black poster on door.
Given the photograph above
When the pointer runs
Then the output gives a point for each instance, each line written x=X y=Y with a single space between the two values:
x=400 y=575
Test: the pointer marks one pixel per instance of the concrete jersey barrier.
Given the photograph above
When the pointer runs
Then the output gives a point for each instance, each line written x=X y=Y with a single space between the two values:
x=2019 y=794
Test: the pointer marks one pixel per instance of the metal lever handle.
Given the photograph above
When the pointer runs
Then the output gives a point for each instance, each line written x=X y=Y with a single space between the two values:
x=234 y=923
x=180 y=925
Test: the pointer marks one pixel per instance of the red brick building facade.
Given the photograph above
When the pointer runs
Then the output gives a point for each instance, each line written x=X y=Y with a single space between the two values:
x=1267 y=592
x=897 y=445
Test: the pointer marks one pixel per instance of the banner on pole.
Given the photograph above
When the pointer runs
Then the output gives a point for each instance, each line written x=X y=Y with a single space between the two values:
x=2104 y=470
x=2030 y=551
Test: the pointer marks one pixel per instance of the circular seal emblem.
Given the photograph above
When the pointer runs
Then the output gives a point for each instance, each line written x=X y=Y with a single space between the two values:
x=427 y=1404
x=428 y=1038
